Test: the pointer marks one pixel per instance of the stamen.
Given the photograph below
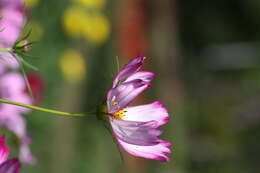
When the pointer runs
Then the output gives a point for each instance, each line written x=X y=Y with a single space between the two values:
x=115 y=104
x=120 y=114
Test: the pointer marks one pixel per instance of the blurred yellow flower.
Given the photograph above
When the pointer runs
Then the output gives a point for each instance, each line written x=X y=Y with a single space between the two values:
x=96 y=29
x=31 y=3
x=73 y=66
x=98 y=4
x=35 y=29
x=74 y=19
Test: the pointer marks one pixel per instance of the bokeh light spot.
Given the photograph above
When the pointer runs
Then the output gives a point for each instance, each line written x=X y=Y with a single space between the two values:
x=73 y=66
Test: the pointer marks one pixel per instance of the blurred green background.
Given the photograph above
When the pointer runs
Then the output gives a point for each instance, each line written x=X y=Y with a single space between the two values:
x=206 y=57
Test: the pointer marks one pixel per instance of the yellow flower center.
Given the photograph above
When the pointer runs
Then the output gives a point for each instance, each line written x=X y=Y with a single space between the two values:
x=120 y=114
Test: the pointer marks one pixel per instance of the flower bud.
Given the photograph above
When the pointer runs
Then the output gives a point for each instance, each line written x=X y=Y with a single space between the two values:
x=22 y=46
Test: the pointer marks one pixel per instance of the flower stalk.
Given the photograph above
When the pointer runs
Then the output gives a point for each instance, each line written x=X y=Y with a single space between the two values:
x=36 y=108
x=6 y=49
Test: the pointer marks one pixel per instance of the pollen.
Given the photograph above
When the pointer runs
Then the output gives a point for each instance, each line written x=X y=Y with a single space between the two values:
x=114 y=104
x=120 y=114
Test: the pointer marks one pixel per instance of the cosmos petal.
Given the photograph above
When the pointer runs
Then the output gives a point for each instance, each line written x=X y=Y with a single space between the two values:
x=14 y=122
x=136 y=60
x=13 y=4
x=17 y=125
x=138 y=133
x=4 y=150
x=149 y=112
x=120 y=96
x=12 y=81
x=25 y=154
x=10 y=166
x=12 y=87
x=7 y=61
x=129 y=69
x=142 y=75
x=11 y=23
x=154 y=152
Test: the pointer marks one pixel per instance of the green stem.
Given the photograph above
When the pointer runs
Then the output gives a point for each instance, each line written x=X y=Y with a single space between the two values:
x=36 y=108
x=6 y=49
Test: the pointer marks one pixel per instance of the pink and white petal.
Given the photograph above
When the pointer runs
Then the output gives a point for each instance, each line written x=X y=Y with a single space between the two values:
x=22 y=98
x=125 y=72
x=12 y=87
x=25 y=154
x=13 y=109
x=11 y=24
x=119 y=97
x=12 y=82
x=10 y=166
x=137 y=133
x=16 y=4
x=136 y=60
x=142 y=75
x=149 y=112
x=7 y=61
x=14 y=122
x=129 y=69
x=4 y=150
x=153 y=152
x=13 y=15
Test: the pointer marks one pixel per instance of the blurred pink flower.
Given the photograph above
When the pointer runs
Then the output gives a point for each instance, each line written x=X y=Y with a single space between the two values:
x=136 y=127
x=12 y=87
x=4 y=150
x=11 y=23
x=7 y=61
x=7 y=166
x=25 y=154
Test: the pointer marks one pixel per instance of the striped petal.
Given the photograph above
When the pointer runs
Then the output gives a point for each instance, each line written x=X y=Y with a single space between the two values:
x=142 y=75
x=129 y=69
x=149 y=112
x=120 y=96
x=154 y=152
x=138 y=133
x=136 y=60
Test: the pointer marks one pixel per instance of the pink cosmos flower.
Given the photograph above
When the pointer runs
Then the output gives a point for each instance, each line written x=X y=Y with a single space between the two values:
x=12 y=87
x=136 y=127
x=7 y=166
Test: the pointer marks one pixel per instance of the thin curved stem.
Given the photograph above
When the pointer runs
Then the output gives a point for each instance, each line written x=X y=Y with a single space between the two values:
x=36 y=108
x=6 y=49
